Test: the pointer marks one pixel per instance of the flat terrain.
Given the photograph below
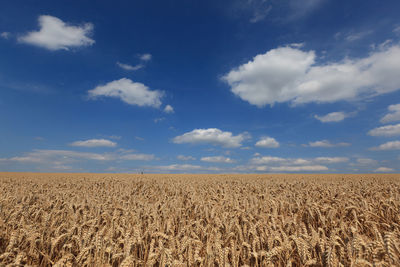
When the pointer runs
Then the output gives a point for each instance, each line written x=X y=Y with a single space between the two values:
x=199 y=220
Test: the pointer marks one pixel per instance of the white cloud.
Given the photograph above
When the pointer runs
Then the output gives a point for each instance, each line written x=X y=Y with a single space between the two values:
x=5 y=35
x=138 y=157
x=332 y=117
x=145 y=57
x=388 y=130
x=157 y=120
x=302 y=8
x=211 y=136
x=393 y=115
x=288 y=74
x=397 y=30
x=312 y=168
x=54 y=34
x=329 y=160
x=168 y=109
x=130 y=92
x=94 y=143
x=357 y=36
x=326 y=143
x=259 y=10
x=267 y=160
x=179 y=167
x=68 y=156
x=383 y=169
x=260 y=13
x=366 y=161
x=300 y=161
x=115 y=137
x=176 y=168
x=47 y=156
x=185 y=158
x=218 y=159
x=267 y=142
x=129 y=67
x=392 y=145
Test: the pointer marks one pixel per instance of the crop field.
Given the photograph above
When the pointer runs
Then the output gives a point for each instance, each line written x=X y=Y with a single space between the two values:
x=199 y=220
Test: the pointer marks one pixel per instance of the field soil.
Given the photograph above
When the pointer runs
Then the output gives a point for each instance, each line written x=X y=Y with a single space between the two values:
x=49 y=219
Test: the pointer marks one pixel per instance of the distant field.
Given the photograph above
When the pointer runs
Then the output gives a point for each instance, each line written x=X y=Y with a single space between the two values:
x=199 y=220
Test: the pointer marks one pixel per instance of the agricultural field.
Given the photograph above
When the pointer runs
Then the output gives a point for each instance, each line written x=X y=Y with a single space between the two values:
x=199 y=220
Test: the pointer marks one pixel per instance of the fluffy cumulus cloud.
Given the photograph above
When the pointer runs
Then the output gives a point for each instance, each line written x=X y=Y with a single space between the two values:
x=132 y=93
x=267 y=142
x=388 y=130
x=384 y=169
x=392 y=145
x=169 y=109
x=212 y=136
x=218 y=159
x=185 y=158
x=54 y=34
x=94 y=143
x=129 y=67
x=332 y=117
x=326 y=143
x=393 y=115
x=289 y=74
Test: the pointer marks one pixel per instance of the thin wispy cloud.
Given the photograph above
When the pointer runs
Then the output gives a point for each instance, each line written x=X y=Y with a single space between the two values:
x=141 y=157
x=185 y=158
x=384 y=169
x=129 y=67
x=69 y=159
x=366 y=161
x=157 y=120
x=145 y=57
x=5 y=35
x=357 y=36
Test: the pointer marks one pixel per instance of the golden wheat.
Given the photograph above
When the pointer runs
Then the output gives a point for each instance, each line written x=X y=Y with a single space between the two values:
x=199 y=220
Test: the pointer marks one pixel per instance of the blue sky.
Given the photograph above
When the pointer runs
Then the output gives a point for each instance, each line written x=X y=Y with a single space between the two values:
x=200 y=86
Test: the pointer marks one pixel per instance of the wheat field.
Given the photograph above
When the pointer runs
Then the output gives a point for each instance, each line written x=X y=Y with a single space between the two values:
x=199 y=220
